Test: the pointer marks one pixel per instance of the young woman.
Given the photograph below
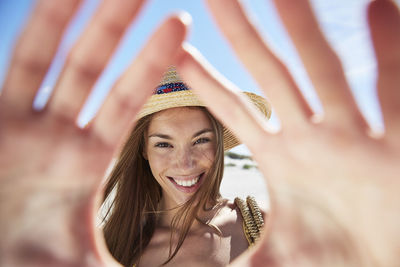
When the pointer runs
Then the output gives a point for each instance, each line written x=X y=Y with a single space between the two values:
x=166 y=207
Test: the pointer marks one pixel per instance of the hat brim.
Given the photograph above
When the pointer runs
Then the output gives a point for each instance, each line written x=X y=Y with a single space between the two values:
x=186 y=98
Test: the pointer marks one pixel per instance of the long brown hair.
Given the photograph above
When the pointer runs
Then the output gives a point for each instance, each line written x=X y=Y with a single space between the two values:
x=131 y=216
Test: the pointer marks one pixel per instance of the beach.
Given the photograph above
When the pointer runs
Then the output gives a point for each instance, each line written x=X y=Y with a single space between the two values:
x=242 y=178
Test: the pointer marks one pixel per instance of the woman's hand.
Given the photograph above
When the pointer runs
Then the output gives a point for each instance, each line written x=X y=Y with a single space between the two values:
x=334 y=188
x=50 y=170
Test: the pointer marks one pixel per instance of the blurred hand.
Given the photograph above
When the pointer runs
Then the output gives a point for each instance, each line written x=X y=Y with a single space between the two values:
x=50 y=170
x=334 y=189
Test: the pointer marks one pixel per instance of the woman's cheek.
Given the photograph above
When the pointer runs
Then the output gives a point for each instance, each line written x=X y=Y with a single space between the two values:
x=207 y=154
x=158 y=160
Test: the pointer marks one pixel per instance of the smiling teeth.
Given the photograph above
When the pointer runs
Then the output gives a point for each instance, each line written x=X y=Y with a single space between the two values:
x=187 y=183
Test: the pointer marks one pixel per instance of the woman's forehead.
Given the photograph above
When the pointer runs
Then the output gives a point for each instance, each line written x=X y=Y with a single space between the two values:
x=180 y=117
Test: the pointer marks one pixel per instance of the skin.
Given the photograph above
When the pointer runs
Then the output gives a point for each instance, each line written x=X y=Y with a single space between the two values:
x=331 y=180
x=69 y=162
x=201 y=240
x=181 y=145
x=341 y=197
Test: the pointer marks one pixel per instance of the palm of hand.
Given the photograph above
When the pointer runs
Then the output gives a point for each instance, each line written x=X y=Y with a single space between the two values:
x=50 y=170
x=340 y=177
x=56 y=168
x=350 y=176
x=333 y=188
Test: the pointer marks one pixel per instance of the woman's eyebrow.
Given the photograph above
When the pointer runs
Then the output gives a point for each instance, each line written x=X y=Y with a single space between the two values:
x=206 y=130
x=165 y=136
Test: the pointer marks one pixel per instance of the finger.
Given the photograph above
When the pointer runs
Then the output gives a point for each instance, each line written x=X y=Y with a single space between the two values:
x=35 y=50
x=384 y=20
x=269 y=72
x=139 y=80
x=218 y=93
x=90 y=55
x=321 y=62
x=287 y=227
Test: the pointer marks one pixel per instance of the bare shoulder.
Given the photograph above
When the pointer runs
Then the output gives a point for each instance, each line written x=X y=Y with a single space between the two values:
x=230 y=222
x=229 y=219
x=221 y=248
x=228 y=214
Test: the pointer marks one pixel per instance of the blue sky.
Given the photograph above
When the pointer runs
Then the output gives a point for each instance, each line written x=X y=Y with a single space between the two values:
x=343 y=21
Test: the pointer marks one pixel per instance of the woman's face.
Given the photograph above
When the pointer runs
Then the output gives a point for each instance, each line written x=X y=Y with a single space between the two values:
x=180 y=148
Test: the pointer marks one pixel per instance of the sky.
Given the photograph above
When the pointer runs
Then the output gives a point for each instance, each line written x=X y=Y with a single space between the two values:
x=342 y=21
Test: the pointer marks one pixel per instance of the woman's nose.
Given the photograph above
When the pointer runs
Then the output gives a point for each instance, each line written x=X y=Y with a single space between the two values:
x=186 y=159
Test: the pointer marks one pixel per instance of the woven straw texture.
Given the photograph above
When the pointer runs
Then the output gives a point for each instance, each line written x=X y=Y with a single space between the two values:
x=253 y=221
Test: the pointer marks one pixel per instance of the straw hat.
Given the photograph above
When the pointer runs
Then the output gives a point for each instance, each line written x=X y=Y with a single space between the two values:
x=172 y=92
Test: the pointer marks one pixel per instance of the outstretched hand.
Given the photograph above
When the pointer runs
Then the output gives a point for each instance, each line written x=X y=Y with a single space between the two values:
x=334 y=188
x=50 y=170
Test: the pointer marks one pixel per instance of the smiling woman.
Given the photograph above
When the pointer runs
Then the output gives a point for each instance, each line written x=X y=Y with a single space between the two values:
x=167 y=182
x=333 y=181
x=180 y=159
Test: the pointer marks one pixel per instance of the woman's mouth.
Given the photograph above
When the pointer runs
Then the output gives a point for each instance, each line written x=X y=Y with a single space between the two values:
x=187 y=184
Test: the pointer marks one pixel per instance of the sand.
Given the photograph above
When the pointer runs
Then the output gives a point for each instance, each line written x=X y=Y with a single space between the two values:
x=241 y=182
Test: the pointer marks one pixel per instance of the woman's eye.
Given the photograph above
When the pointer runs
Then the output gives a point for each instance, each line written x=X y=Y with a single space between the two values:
x=202 y=140
x=162 y=145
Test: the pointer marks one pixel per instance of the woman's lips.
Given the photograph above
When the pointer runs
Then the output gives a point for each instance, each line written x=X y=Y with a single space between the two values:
x=187 y=184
